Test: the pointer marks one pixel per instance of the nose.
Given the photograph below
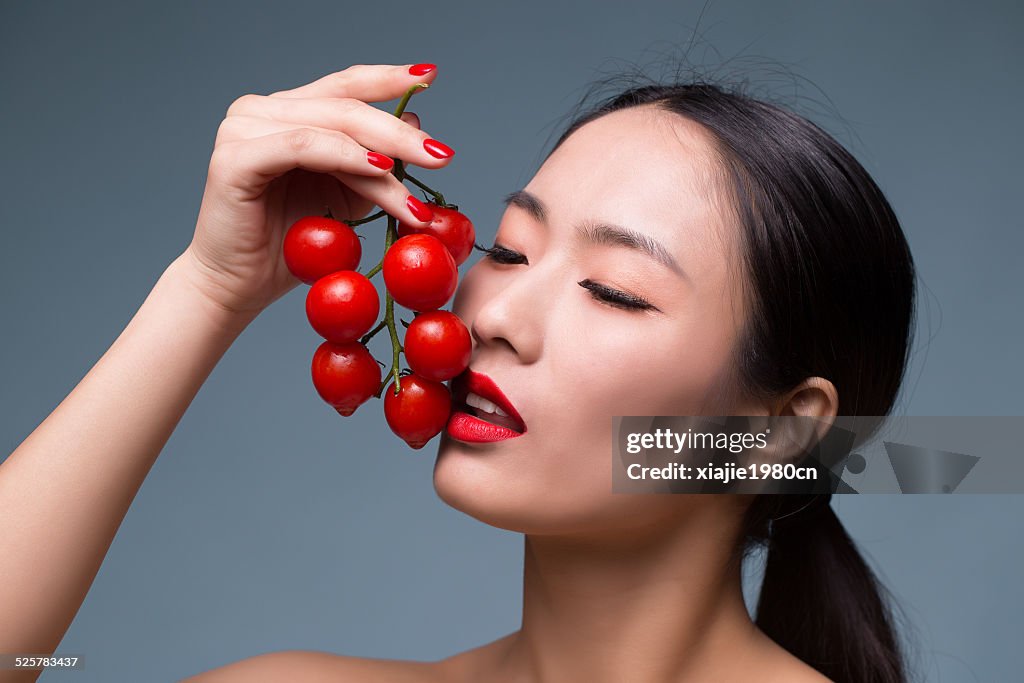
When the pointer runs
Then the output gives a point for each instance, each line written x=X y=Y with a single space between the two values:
x=513 y=314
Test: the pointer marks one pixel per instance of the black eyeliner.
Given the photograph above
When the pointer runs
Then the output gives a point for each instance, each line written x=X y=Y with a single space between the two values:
x=500 y=254
x=615 y=297
x=601 y=293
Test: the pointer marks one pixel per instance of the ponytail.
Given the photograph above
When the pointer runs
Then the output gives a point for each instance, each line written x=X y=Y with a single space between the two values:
x=819 y=598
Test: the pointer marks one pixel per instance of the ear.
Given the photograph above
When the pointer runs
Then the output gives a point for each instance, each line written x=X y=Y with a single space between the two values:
x=815 y=399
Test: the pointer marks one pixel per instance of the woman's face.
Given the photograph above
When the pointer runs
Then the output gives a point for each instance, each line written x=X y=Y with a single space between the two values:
x=568 y=361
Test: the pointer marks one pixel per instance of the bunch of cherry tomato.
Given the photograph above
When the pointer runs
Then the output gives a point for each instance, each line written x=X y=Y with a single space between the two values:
x=420 y=270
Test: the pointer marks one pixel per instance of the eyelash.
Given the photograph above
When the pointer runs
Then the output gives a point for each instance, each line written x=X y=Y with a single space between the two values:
x=603 y=294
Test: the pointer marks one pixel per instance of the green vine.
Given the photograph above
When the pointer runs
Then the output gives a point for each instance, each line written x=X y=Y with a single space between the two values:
x=390 y=237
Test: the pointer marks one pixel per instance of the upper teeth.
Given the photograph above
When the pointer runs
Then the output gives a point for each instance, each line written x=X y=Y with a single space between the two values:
x=483 y=404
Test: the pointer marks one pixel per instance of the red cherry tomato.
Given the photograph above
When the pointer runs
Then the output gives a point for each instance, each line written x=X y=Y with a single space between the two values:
x=342 y=306
x=316 y=246
x=437 y=345
x=345 y=375
x=450 y=226
x=420 y=410
x=420 y=273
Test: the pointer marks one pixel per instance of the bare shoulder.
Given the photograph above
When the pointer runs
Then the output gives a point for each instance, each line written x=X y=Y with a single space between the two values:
x=781 y=666
x=764 y=660
x=799 y=672
x=311 y=666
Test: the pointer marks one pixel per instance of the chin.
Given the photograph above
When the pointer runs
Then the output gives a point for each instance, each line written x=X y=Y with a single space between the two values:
x=469 y=483
x=466 y=484
x=484 y=484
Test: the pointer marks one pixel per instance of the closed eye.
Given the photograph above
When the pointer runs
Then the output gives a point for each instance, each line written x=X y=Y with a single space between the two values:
x=616 y=298
x=500 y=254
x=602 y=293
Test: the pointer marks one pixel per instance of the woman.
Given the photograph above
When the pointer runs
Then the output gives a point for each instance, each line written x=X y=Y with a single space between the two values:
x=681 y=251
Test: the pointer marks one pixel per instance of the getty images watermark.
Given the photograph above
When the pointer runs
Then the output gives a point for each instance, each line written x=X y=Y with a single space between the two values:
x=801 y=455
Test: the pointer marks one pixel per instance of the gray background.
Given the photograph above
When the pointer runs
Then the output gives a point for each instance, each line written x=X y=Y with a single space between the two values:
x=268 y=522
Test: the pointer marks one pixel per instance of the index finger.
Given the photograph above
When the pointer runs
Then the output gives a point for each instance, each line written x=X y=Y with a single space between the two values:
x=366 y=82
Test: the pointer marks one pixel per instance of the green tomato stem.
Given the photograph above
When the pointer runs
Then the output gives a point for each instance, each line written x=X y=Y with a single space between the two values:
x=402 y=103
x=379 y=214
x=399 y=169
x=375 y=269
x=389 y=317
x=438 y=197
x=369 y=335
x=390 y=236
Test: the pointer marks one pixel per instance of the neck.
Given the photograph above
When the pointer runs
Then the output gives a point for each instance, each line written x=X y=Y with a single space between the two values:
x=648 y=605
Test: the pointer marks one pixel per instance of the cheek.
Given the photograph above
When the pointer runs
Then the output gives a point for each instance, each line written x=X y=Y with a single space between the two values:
x=642 y=367
x=630 y=368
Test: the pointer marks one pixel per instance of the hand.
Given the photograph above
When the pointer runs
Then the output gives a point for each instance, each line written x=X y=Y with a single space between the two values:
x=291 y=154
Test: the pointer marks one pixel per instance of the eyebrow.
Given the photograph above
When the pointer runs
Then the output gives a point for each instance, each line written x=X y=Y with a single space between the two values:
x=600 y=232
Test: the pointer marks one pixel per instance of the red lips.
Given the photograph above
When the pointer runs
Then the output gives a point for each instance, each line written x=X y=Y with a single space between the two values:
x=484 y=386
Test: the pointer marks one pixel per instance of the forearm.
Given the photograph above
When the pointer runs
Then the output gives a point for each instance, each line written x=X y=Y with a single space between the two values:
x=65 y=490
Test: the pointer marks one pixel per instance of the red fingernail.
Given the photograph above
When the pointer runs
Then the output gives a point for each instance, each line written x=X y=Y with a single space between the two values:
x=419 y=209
x=421 y=69
x=438 y=149
x=380 y=161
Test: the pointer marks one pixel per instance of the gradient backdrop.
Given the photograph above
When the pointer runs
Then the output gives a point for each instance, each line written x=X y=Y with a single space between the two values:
x=269 y=523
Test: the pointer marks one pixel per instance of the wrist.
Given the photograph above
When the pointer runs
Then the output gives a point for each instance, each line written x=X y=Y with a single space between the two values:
x=184 y=274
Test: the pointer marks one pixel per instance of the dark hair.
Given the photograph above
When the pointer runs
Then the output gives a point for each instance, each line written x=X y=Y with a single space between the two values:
x=830 y=281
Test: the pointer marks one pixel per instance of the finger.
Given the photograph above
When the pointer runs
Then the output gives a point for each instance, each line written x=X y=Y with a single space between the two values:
x=244 y=127
x=251 y=164
x=391 y=195
x=412 y=119
x=366 y=82
x=371 y=127
x=236 y=128
x=278 y=148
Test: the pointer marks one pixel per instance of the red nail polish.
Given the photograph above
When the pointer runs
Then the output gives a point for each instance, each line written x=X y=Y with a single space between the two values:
x=419 y=209
x=438 y=149
x=421 y=69
x=380 y=161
